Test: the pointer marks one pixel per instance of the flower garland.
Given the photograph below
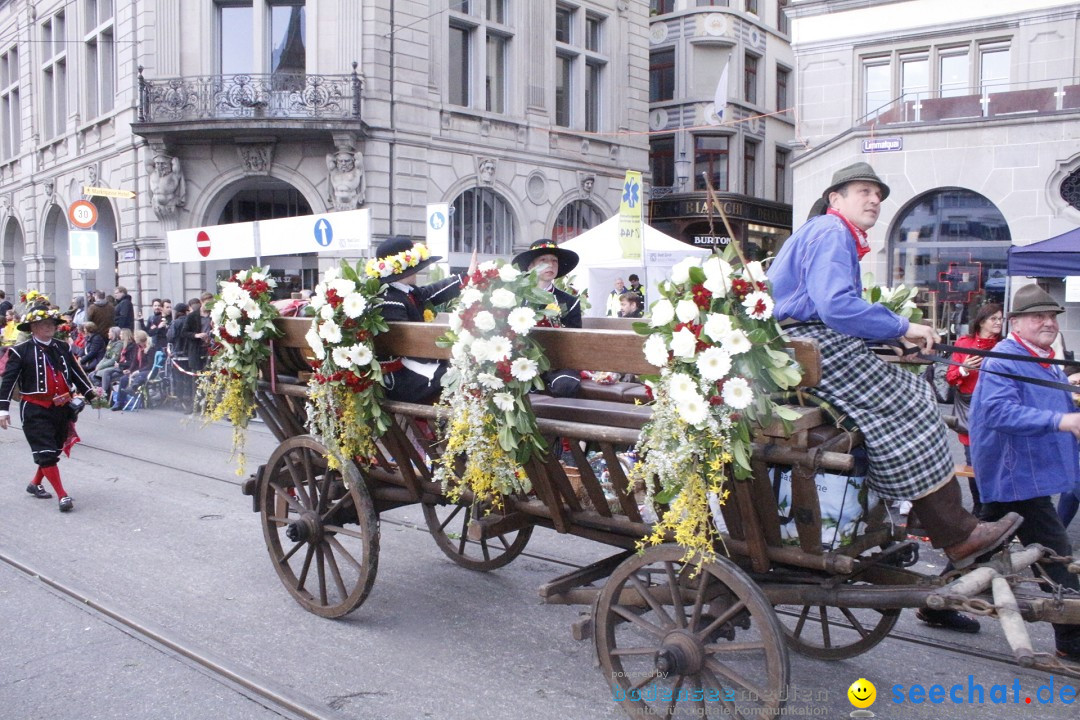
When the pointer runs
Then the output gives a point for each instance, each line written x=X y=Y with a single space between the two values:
x=346 y=386
x=720 y=354
x=396 y=264
x=494 y=365
x=900 y=300
x=243 y=320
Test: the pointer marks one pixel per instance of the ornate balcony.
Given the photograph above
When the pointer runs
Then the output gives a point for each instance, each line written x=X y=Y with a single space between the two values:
x=232 y=105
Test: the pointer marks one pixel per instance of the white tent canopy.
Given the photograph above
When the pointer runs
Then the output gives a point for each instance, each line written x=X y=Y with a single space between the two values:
x=602 y=262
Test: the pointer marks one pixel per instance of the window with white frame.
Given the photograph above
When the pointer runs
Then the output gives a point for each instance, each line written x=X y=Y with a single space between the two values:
x=954 y=72
x=235 y=37
x=914 y=75
x=100 y=57
x=53 y=76
x=287 y=45
x=581 y=63
x=10 y=108
x=481 y=42
x=993 y=67
x=877 y=84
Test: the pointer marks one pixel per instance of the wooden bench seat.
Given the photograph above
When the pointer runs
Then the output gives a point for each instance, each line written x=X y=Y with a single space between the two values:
x=591 y=412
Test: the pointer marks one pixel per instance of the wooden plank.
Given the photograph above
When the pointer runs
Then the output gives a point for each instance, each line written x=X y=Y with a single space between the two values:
x=620 y=483
x=589 y=481
x=765 y=502
x=620 y=351
x=806 y=508
x=755 y=535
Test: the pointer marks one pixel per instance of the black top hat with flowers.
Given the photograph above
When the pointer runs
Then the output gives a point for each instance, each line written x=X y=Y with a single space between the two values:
x=38 y=308
x=568 y=259
x=398 y=257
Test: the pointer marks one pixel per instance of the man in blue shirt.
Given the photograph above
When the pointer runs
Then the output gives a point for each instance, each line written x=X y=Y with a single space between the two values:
x=1023 y=439
x=818 y=293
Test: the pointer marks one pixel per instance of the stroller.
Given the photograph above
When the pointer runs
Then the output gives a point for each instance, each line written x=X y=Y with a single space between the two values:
x=150 y=392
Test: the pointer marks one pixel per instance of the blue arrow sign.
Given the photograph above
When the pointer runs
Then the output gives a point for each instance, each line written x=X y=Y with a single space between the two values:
x=324 y=232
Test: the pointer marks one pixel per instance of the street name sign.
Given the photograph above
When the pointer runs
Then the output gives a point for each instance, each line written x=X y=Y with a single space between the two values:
x=91 y=191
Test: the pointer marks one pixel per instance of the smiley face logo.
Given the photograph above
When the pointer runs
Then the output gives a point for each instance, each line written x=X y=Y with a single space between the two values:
x=862 y=693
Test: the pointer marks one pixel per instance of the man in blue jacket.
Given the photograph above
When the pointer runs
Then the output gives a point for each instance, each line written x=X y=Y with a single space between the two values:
x=1023 y=439
x=818 y=294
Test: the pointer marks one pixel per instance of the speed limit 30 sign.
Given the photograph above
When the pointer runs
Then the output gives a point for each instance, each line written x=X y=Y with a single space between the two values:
x=82 y=214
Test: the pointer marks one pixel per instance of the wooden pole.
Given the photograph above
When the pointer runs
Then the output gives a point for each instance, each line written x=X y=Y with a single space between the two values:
x=723 y=216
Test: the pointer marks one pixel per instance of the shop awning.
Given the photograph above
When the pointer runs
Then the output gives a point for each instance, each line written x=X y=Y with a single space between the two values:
x=1057 y=257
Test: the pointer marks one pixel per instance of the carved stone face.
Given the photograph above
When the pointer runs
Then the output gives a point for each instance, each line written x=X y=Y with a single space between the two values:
x=344 y=162
x=162 y=165
x=587 y=184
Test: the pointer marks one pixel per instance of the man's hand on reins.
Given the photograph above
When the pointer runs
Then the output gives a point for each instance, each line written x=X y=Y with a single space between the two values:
x=923 y=336
x=1070 y=422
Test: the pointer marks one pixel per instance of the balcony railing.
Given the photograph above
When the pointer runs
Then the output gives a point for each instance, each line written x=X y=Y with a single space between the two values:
x=990 y=101
x=236 y=97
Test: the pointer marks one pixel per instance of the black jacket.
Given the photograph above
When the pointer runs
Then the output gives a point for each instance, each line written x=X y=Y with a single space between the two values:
x=25 y=370
x=570 y=305
x=124 y=313
x=397 y=307
x=157 y=327
x=93 y=352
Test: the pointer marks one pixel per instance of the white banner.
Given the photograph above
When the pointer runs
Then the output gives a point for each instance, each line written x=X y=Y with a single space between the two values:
x=216 y=242
x=83 y=250
x=438 y=229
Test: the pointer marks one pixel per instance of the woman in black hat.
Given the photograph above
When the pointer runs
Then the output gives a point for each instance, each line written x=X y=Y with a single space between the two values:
x=396 y=263
x=550 y=262
x=46 y=374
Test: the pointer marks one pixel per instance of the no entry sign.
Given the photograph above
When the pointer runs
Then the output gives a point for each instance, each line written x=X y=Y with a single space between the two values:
x=202 y=243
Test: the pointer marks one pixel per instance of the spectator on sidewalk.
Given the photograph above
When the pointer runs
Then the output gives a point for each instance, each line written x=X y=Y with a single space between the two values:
x=135 y=370
x=101 y=313
x=94 y=351
x=5 y=304
x=124 y=310
x=1024 y=440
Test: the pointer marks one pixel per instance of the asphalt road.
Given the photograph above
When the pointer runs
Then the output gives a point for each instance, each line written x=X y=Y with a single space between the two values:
x=159 y=580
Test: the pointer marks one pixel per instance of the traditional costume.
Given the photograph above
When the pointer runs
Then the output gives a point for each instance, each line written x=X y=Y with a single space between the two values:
x=46 y=374
x=818 y=295
x=563 y=382
x=409 y=379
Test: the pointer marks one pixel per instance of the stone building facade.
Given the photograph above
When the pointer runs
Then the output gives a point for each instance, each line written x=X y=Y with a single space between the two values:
x=695 y=46
x=523 y=115
x=969 y=111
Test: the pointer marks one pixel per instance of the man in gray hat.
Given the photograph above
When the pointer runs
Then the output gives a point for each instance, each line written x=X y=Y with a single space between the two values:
x=1023 y=439
x=818 y=292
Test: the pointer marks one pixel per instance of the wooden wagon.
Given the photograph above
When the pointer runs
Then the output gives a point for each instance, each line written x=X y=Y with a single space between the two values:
x=668 y=639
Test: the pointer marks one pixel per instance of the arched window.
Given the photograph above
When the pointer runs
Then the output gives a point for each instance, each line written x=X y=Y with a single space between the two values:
x=574 y=219
x=1070 y=189
x=480 y=218
x=953 y=244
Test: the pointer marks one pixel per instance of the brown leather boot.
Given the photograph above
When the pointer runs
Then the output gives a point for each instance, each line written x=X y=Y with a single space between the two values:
x=985 y=537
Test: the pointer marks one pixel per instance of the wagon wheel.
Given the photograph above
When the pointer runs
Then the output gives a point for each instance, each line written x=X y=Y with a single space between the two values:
x=449 y=525
x=833 y=633
x=320 y=527
x=677 y=645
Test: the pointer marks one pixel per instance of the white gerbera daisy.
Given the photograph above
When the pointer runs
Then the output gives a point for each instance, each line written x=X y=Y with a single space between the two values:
x=343 y=286
x=490 y=381
x=681 y=386
x=499 y=348
x=341 y=357
x=523 y=369
x=479 y=349
x=487 y=265
x=330 y=332
x=233 y=328
x=255 y=334
x=693 y=410
x=360 y=355
x=504 y=401
x=233 y=312
x=252 y=310
x=326 y=312
x=737 y=393
x=736 y=342
x=754 y=271
x=521 y=320
x=354 y=305
x=714 y=364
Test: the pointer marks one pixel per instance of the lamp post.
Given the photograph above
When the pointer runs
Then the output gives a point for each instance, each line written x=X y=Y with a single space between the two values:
x=682 y=170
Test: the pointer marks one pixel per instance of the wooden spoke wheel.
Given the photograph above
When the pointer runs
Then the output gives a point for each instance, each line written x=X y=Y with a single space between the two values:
x=449 y=525
x=679 y=645
x=834 y=633
x=320 y=527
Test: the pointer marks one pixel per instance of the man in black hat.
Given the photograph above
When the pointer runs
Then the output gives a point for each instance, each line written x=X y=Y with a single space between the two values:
x=1023 y=439
x=396 y=264
x=46 y=374
x=818 y=293
x=550 y=262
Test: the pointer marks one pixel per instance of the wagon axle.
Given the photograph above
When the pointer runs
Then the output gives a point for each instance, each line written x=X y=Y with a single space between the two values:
x=681 y=654
x=307 y=528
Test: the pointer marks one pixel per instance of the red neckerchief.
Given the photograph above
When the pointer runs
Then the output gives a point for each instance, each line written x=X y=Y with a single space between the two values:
x=862 y=245
x=1032 y=351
